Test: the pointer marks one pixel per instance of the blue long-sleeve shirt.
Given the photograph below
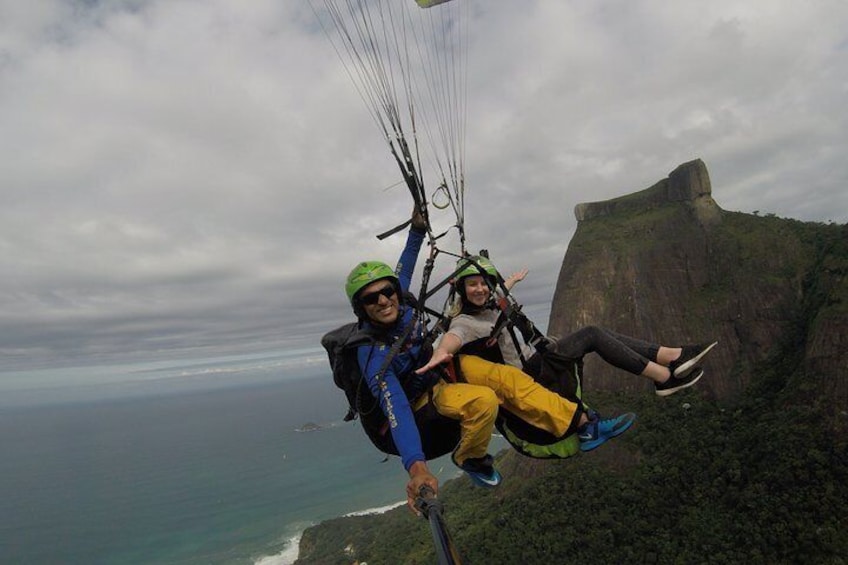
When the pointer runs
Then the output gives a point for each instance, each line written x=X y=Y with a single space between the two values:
x=388 y=390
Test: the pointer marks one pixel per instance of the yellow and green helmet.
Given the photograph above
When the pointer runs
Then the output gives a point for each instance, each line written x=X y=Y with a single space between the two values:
x=469 y=266
x=364 y=274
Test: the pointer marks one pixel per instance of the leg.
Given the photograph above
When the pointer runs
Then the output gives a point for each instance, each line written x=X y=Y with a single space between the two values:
x=662 y=355
x=666 y=355
x=665 y=361
x=476 y=408
x=646 y=349
x=521 y=395
x=626 y=353
x=540 y=407
x=659 y=354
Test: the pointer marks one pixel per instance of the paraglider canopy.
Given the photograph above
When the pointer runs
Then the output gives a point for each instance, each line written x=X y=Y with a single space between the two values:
x=409 y=67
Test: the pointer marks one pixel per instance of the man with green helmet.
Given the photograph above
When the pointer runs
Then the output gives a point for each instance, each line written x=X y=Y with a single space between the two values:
x=386 y=313
x=388 y=360
x=365 y=274
x=392 y=358
x=396 y=348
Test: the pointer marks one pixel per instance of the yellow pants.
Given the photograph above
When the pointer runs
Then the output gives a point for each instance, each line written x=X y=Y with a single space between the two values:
x=489 y=385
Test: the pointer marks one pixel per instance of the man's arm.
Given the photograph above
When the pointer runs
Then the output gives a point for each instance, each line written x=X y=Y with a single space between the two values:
x=393 y=402
x=406 y=263
x=395 y=406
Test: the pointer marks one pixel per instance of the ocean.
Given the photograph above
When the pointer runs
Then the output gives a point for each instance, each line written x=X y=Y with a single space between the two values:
x=186 y=462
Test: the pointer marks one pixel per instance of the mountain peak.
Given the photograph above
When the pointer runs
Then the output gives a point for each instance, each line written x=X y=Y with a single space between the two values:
x=689 y=182
x=666 y=264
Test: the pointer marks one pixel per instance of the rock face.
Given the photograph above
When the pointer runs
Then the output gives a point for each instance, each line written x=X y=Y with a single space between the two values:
x=668 y=265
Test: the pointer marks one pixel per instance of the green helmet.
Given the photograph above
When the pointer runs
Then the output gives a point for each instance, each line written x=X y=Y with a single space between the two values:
x=364 y=274
x=469 y=268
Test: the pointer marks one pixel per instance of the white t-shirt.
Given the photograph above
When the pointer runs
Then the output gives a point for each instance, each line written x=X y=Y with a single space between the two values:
x=469 y=328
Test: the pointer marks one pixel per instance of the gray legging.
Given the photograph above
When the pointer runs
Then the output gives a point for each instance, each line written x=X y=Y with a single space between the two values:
x=621 y=351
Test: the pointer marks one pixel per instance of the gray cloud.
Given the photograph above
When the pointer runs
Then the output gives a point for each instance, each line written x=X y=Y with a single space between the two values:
x=197 y=178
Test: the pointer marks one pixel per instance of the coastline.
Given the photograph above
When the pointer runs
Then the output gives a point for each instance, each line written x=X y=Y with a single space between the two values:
x=286 y=557
x=291 y=550
x=378 y=510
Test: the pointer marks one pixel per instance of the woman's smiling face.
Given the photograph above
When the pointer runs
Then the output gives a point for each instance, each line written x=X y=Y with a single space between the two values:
x=476 y=290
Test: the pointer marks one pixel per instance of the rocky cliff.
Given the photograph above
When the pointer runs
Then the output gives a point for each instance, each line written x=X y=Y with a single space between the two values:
x=753 y=476
x=668 y=264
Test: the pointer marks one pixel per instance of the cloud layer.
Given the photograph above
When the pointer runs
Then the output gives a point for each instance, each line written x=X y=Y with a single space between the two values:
x=185 y=177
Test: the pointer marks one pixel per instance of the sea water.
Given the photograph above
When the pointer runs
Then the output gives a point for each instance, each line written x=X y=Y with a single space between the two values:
x=184 y=463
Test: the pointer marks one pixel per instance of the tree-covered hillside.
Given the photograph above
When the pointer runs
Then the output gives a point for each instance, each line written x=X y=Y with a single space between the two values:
x=748 y=466
x=759 y=480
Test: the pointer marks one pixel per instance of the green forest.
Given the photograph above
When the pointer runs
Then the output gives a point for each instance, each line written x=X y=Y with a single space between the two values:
x=761 y=480
x=757 y=478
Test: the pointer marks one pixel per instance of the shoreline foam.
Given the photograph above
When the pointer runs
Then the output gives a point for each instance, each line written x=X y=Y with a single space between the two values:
x=291 y=550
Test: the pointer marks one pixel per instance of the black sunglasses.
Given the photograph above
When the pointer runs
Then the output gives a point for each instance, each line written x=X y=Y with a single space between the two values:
x=374 y=297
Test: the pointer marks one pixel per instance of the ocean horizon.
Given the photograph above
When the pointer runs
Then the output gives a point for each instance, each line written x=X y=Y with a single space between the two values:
x=189 y=462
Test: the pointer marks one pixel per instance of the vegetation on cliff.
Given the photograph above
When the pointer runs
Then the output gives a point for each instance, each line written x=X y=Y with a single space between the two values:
x=687 y=271
x=757 y=480
x=747 y=466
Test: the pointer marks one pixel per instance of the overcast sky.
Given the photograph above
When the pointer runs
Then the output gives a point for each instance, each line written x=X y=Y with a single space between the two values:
x=196 y=177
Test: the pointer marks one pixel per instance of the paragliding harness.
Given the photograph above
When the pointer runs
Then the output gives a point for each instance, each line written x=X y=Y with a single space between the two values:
x=554 y=371
x=439 y=434
x=558 y=374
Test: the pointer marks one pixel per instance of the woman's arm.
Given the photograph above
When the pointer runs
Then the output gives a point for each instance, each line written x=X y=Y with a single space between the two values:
x=444 y=352
x=514 y=278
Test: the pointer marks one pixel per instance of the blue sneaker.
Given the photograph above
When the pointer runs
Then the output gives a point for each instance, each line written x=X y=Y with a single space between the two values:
x=596 y=431
x=481 y=470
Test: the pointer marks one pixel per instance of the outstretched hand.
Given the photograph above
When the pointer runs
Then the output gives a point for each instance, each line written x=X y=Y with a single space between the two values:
x=439 y=357
x=514 y=278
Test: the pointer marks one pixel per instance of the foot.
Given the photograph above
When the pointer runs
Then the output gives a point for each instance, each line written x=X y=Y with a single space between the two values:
x=673 y=384
x=481 y=470
x=596 y=431
x=689 y=358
